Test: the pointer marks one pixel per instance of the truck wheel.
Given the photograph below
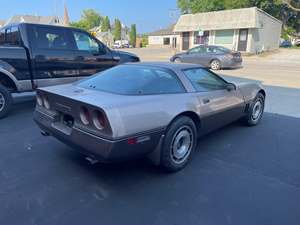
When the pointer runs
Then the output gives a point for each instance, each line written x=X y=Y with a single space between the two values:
x=179 y=144
x=5 y=101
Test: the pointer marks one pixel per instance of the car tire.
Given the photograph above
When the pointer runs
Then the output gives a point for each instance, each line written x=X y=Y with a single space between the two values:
x=256 y=110
x=215 y=64
x=5 y=101
x=177 y=60
x=179 y=144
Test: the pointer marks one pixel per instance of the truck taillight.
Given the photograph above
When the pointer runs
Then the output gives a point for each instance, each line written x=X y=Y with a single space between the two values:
x=46 y=102
x=39 y=99
x=99 y=120
x=84 y=115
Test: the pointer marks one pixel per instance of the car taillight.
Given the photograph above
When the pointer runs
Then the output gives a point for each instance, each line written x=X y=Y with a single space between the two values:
x=39 y=100
x=99 y=120
x=84 y=115
x=46 y=102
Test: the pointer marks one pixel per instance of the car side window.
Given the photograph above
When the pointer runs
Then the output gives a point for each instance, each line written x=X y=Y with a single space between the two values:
x=198 y=49
x=51 y=39
x=203 y=80
x=86 y=43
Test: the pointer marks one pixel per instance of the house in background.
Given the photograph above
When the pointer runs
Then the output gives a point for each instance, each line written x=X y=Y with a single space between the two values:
x=49 y=20
x=163 y=38
x=248 y=30
x=2 y=22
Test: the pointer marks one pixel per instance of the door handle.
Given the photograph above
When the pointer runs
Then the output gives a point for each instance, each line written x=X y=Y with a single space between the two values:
x=206 y=101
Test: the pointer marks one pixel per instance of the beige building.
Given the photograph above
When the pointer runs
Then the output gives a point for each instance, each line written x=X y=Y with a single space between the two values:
x=164 y=38
x=247 y=30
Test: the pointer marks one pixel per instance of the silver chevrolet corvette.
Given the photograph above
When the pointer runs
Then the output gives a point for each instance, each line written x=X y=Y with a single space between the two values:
x=145 y=109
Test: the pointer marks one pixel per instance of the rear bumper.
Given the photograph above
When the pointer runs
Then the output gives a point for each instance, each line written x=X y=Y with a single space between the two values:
x=232 y=64
x=100 y=148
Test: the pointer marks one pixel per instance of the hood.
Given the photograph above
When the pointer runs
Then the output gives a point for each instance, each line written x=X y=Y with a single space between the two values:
x=125 y=53
x=126 y=56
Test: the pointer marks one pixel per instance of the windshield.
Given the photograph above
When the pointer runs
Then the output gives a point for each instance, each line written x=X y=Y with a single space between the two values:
x=135 y=80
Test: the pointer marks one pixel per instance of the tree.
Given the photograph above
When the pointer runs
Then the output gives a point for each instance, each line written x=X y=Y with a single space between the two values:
x=133 y=35
x=105 y=24
x=89 y=19
x=117 y=30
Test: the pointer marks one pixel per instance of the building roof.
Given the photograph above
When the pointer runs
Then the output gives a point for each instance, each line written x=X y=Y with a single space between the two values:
x=162 y=32
x=2 y=23
x=219 y=20
x=33 y=19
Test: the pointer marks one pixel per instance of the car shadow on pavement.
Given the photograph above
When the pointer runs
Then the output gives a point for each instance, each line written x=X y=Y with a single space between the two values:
x=238 y=175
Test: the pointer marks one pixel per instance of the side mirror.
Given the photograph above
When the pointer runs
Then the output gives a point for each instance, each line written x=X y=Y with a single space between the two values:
x=230 y=87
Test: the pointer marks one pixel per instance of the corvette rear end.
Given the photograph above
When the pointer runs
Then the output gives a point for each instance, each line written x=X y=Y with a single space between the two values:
x=87 y=127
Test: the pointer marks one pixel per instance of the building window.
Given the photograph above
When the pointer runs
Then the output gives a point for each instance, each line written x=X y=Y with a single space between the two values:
x=201 y=40
x=166 y=41
x=224 y=36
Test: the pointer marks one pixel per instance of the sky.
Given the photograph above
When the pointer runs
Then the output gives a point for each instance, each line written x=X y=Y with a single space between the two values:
x=148 y=15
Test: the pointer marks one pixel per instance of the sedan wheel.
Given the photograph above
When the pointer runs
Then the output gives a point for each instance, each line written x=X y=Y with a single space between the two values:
x=215 y=64
x=179 y=144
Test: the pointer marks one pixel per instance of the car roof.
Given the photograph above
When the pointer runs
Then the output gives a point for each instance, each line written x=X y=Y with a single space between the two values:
x=168 y=65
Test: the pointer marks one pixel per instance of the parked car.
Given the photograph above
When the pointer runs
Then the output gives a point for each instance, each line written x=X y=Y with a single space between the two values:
x=33 y=55
x=214 y=57
x=286 y=44
x=145 y=109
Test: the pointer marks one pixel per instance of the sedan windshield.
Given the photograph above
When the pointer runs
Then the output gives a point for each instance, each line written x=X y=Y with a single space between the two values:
x=135 y=80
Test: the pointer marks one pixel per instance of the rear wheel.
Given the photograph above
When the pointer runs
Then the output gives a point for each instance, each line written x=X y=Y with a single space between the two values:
x=179 y=144
x=256 y=110
x=215 y=64
x=177 y=60
x=5 y=101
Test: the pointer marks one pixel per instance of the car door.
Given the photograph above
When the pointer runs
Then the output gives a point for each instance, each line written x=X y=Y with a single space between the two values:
x=52 y=56
x=219 y=102
x=91 y=55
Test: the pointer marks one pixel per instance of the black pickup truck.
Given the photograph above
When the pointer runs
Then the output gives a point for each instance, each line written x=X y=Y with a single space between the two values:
x=34 y=55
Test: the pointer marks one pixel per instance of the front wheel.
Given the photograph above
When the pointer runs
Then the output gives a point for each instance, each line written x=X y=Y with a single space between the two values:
x=179 y=144
x=5 y=101
x=256 y=110
x=177 y=60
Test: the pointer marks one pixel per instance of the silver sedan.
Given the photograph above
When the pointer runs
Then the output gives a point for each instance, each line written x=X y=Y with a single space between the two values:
x=145 y=109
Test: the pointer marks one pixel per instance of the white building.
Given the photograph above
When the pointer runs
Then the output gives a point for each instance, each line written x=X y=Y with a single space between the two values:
x=164 y=37
x=247 y=30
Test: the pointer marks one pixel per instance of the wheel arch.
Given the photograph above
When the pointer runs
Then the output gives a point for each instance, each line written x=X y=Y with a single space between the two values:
x=192 y=115
x=8 y=81
x=262 y=91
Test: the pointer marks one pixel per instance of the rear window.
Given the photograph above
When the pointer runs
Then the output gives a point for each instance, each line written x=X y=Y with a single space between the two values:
x=135 y=80
x=10 y=36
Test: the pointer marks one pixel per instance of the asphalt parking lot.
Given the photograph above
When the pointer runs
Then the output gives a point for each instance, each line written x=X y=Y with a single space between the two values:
x=238 y=175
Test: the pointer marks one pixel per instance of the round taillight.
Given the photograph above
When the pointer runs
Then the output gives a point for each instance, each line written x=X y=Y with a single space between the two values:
x=99 y=120
x=84 y=115
x=39 y=100
x=46 y=102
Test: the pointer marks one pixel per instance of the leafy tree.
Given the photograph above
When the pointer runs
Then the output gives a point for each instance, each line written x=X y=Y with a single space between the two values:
x=89 y=19
x=133 y=35
x=144 y=40
x=105 y=25
x=117 y=30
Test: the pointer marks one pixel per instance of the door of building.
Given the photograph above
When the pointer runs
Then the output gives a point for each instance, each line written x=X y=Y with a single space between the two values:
x=185 y=40
x=243 y=39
